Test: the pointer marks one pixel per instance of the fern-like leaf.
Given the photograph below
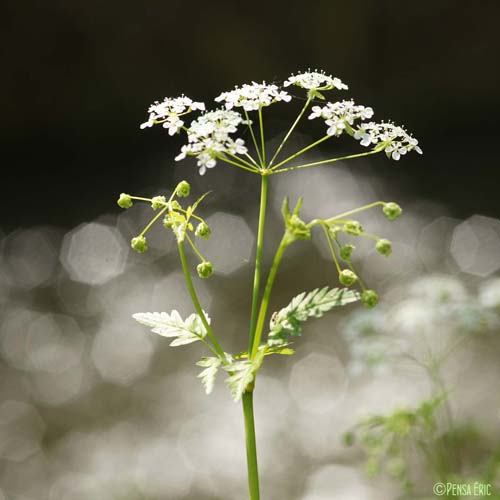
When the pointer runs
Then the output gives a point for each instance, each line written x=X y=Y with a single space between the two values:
x=242 y=373
x=172 y=325
x=211 y=365
x=286 y=323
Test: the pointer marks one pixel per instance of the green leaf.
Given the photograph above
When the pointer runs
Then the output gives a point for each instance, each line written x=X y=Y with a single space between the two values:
x=286 y=322
x=211 y=365
x=199 y=200
x=268 y=350
x=172 y=325
x=242 y=373
x=284 y=351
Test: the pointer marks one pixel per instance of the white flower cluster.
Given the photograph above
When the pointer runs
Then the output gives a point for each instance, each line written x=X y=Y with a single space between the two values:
x=315 y=80
x=208 y=138
x=338 y=114
x=252 y=97
x=169 y=111
x=395 y=139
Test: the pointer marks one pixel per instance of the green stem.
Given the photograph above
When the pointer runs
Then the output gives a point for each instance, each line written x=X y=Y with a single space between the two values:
x=289 y=133
x=252 y=161
x=262 y=140
x=332 y=250
x=331 y=160
x=195 y=250
x=253 y=470
x=250 y=127
x=243 y=162
x=153 y=220
x=355 y=211
x=196 y=302
x=302 y=151
x=258 y=258
x=285 y=241
x=239 y=165
x=140 y=198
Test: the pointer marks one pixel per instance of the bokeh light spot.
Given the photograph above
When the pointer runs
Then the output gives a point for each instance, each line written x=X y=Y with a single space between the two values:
x=94 y=253
x=475 y=245
x=318 y=383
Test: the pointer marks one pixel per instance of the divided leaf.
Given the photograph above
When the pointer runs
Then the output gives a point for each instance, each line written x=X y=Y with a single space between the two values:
x=286 y=323
x=242 y=373
x=211 y=365
x=172 y=325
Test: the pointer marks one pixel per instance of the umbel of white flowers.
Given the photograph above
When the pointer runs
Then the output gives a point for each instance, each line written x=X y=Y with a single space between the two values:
x=212 y=136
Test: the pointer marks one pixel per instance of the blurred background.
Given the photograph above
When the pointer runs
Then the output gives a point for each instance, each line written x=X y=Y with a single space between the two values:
x=92 y=405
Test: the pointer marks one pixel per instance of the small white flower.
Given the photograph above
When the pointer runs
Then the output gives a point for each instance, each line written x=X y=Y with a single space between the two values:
x=394 y=140
x=168 y=112
x=209 y=137
x=315 y=80
x=252 y=97
x=338 y=114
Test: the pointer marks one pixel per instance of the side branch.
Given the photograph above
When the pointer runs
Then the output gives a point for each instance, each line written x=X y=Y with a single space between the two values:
x=323 y=162
x=196 y=302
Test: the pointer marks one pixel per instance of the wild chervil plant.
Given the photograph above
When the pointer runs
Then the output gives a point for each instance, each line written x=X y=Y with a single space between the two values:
x=212 y=138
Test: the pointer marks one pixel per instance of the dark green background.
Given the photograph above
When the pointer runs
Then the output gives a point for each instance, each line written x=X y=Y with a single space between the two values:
x=78 y=76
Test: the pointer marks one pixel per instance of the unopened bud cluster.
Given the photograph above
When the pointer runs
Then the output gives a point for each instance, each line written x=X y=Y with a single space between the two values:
x=175 y=218
x=343 y=252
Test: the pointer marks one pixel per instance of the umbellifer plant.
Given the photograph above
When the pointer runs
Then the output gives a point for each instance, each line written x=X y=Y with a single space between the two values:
x=212 y=137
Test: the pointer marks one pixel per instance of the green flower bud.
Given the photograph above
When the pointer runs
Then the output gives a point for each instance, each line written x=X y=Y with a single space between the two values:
x=125 y=201
x=297 y=227
x=204 y=269
x=392 y=210
x=334 y=231
x=203 y=231
x=168 y=222
x=347 y=277
x=174 y=205
x=157 y=202
x=139 y=244
x=353 y=227
x=369 y=298
x=384 y=247
x=346 y=251
x=183 y=189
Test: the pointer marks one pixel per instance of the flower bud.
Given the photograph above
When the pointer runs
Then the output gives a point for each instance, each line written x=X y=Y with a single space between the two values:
x=203 y=231
x=139 y=244
x=334 y=230
x=353 y=227
x=392 y=210
x=125 y=201
x=298 y=228
x=347 y=277
x=369 y=298
x=168 y=222
x=384 y=247
x=157 y=202
x=174 y=205
x=346 y=251
x=204 y=269
x=183 y=189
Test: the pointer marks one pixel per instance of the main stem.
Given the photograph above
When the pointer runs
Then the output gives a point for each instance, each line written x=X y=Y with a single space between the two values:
x=258 y=258
x=252 y=466
x=247 y=398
